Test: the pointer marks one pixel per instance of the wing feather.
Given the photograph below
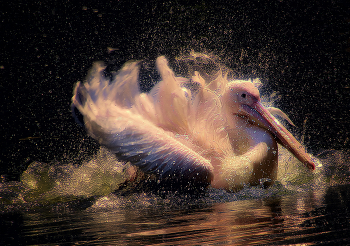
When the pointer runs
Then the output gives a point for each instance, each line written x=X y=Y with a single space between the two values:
x=149 y=147
x=149 y=129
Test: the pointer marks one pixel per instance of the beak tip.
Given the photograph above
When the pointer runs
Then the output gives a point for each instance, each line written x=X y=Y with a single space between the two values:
x=312 y=163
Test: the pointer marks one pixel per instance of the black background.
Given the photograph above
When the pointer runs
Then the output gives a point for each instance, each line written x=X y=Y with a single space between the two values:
x=300 y=49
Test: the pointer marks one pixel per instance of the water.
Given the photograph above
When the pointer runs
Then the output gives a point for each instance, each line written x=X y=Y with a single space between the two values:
x=144 y=220
x=68 y=206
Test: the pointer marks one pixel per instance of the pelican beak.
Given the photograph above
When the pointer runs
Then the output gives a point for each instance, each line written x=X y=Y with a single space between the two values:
x=258 y=114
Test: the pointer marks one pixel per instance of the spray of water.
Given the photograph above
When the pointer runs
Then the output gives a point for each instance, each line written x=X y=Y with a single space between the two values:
x=103 y=173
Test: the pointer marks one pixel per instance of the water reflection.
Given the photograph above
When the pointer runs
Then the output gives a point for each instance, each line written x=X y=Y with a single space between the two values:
x=144 y=219
x=283 y=214
x=233 y=222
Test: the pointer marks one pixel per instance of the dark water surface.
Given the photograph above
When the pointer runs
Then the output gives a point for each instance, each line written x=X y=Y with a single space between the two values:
x=300 y=208
x=215 y=218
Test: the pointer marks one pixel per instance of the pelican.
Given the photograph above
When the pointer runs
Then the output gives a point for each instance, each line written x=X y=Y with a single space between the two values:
x=213 y=132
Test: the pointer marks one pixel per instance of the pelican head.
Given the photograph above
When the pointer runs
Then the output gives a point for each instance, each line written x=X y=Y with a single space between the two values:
x=241 y=101
x=239 y=95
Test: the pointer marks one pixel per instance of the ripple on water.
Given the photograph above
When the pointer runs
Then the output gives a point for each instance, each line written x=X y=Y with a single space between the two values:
x=299 y=208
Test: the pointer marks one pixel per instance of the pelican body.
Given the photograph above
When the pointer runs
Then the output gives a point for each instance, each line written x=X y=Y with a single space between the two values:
x=186 y=130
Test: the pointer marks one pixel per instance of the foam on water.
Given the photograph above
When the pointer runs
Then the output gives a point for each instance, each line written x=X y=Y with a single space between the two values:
x=103 y=173
x=97 y=176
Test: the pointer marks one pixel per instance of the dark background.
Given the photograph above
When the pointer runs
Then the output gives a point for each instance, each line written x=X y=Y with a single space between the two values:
x=300 y=49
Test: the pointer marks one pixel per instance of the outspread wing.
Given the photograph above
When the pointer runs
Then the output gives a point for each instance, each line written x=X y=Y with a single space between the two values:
x=149 y=147
x=127 y=122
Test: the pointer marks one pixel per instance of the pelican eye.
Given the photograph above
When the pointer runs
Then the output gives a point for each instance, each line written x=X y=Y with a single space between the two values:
x=244 y=95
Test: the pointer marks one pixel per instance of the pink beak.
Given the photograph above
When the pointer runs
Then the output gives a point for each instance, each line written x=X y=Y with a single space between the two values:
x=266 y=120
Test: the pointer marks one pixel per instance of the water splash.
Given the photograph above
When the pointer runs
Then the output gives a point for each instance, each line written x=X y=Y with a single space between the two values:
x=103 y=174
x=100 y=175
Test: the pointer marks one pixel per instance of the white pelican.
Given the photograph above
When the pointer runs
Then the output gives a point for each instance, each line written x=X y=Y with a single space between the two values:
x=186 y=129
